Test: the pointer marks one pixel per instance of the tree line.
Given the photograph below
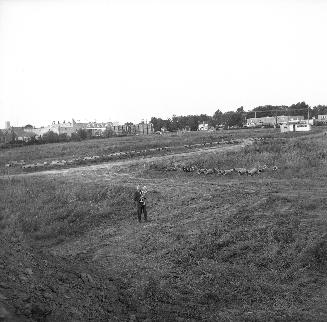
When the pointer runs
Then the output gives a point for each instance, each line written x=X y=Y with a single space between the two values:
x=236 y=118
x=227 y=119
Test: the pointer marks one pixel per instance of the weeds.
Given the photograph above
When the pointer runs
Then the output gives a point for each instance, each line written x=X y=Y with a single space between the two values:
x=292 y=158
x=71 y=150
x=254 y=258
x=210 y=253
x=49 y=210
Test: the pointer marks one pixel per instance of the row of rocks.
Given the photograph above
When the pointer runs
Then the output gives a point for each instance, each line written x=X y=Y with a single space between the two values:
x=258 y=139
x=208 y=144
x=240 y=171
x=206 y=171
x=104 y=158
x=84 y=160
x=15 y=163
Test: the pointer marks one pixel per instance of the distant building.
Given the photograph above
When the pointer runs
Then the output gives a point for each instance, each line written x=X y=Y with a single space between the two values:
x=6 y=136
x=28 y=127
x=133 y=129
x=7 y=124
x=295 y=126
x=15 y=134
x=280 y=119
x=203 y=127
x=96 y=128
x=260 y=121
x=322 y=118
x=271 y=120
x=143 y=128
x=64 y=127
x=67 y=128
x=21 y=135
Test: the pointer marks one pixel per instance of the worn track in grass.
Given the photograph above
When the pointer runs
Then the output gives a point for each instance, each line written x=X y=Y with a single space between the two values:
x=101 y=166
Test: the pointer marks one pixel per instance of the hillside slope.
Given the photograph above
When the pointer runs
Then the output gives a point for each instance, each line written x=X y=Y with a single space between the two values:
x=216 y=247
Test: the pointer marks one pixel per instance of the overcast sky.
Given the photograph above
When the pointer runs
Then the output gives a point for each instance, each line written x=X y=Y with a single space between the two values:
x=130 y=60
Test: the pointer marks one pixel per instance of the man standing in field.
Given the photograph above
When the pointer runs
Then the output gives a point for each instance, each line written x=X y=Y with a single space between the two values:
x=140 y=202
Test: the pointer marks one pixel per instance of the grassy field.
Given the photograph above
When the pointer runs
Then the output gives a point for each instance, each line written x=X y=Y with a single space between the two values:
x=70 y=150
x=216 y=248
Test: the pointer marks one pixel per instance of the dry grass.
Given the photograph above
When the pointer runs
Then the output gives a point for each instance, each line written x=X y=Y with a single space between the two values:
x=236 y=248
x=69 y=150
x=299 y=158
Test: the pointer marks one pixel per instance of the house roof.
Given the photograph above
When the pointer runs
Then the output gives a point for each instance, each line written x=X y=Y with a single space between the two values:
x=19 y=131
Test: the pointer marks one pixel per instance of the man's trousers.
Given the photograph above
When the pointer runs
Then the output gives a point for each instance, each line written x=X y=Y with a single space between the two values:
x=141 y=209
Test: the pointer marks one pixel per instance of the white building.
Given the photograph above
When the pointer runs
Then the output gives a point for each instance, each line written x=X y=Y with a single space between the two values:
x=322 y=118
x=272 y=120
x=203 y=127
x=295 y=126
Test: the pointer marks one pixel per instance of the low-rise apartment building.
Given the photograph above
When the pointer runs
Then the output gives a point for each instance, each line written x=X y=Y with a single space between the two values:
x=272 y=120
x=322 y=118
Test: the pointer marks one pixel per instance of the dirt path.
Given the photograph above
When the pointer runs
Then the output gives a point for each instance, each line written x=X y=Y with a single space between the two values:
x=108 y=165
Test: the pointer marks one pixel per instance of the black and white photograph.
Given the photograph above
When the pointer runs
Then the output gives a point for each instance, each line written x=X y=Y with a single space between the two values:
x=163 y=160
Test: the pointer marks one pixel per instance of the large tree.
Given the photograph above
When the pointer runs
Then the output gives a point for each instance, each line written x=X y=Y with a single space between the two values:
x=217 y=118
x=300 y=108
x=240 y=110
x=267 y=110
x=232 y=119
x=50 y=137
x=319 y=110
x=28 y=127
x=158 y=123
